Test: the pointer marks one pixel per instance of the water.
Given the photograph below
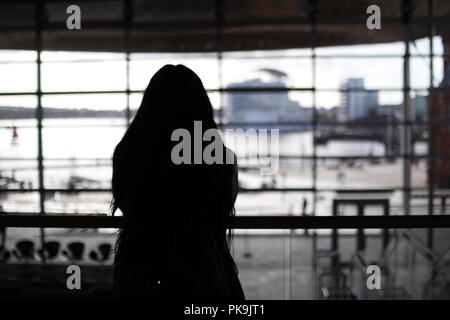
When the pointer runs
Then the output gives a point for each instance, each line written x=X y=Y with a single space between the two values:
x=82 y=149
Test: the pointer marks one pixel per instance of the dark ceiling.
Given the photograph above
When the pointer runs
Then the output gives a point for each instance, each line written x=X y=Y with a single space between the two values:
x=192 y=25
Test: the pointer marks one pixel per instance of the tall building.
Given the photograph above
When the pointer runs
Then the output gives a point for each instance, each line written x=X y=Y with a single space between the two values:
x=439 y=110
x=358 y=102
x=420 y=108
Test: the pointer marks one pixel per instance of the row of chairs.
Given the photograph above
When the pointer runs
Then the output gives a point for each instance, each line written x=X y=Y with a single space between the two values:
x=25 y=251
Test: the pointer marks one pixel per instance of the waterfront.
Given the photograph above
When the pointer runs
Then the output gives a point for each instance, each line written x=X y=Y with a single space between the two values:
x=77 y=153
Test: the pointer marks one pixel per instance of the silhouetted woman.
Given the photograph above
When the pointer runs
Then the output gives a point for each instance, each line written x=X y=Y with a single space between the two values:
x=174 y=244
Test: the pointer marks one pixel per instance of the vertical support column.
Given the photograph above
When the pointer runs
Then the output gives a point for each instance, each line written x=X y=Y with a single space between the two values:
x=335 y=239
x=386 y=213
x=361 y=240
x=406 y=130
x=335 y=249
x=2 y=238
x=312 y=9
x=312 y=12
x=39 y=16
x=219 y=45
x=127 y=23
x=430 y=125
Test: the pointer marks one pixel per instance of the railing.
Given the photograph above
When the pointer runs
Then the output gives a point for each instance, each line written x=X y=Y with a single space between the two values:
x=403 y=274
x=420 y=245
x=439 y=284
x=358 y=277
x=239 y=222
x=329 y=288
x=414 y=267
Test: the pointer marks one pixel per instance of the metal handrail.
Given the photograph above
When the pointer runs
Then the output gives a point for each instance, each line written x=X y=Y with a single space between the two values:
x=239 y=222
x=419 y=244
x=360 y=261
x=241 y=190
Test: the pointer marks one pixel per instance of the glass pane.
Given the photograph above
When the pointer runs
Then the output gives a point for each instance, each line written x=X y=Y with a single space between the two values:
x=260 y=260
x=84 y=105
x=373 y=73
x=24 y=201
x=260 y=203
x=144 y=66
x=23 y=274
x=74 y=199
x=18 y=139
x=18 y=77
x=69 y=142
x=268 y=70
x=84 y=76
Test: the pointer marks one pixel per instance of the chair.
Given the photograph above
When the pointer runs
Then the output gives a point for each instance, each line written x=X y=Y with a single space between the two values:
x=24 y=250
x=4 y=254
x=50 y=250
x=103 y=253
x=75 y=251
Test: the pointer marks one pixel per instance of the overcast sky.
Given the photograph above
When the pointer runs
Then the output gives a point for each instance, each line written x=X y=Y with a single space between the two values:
x=106 y=71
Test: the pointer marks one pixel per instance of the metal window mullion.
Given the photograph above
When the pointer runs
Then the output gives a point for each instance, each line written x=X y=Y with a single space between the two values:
x=312 y=7
x=293 y=57
x=312 y=11
x=219 y=17
x=240 y=89
x=431 y=163
x=39 y=14
x=127 y=19
x=406 y=129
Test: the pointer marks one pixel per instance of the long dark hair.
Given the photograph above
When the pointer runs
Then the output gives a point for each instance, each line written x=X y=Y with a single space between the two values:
x=155 y=195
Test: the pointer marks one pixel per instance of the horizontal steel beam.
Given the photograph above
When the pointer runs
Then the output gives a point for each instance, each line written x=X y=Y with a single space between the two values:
x=242 y=190
x=229 y=25
x=241 y=222
x=231 y=89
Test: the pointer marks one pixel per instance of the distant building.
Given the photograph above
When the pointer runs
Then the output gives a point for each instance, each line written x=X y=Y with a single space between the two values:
x=420 y=108
x=390 y=111
x=7 y=112
x=439 y=110
x=264 y=106
x=358 y=102
x=339 y=113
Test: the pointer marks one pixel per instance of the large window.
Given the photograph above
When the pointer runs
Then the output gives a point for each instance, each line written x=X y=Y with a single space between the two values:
x=358 y=117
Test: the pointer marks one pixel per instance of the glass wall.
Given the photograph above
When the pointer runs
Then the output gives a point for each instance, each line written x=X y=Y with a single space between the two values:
x=365 y=121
